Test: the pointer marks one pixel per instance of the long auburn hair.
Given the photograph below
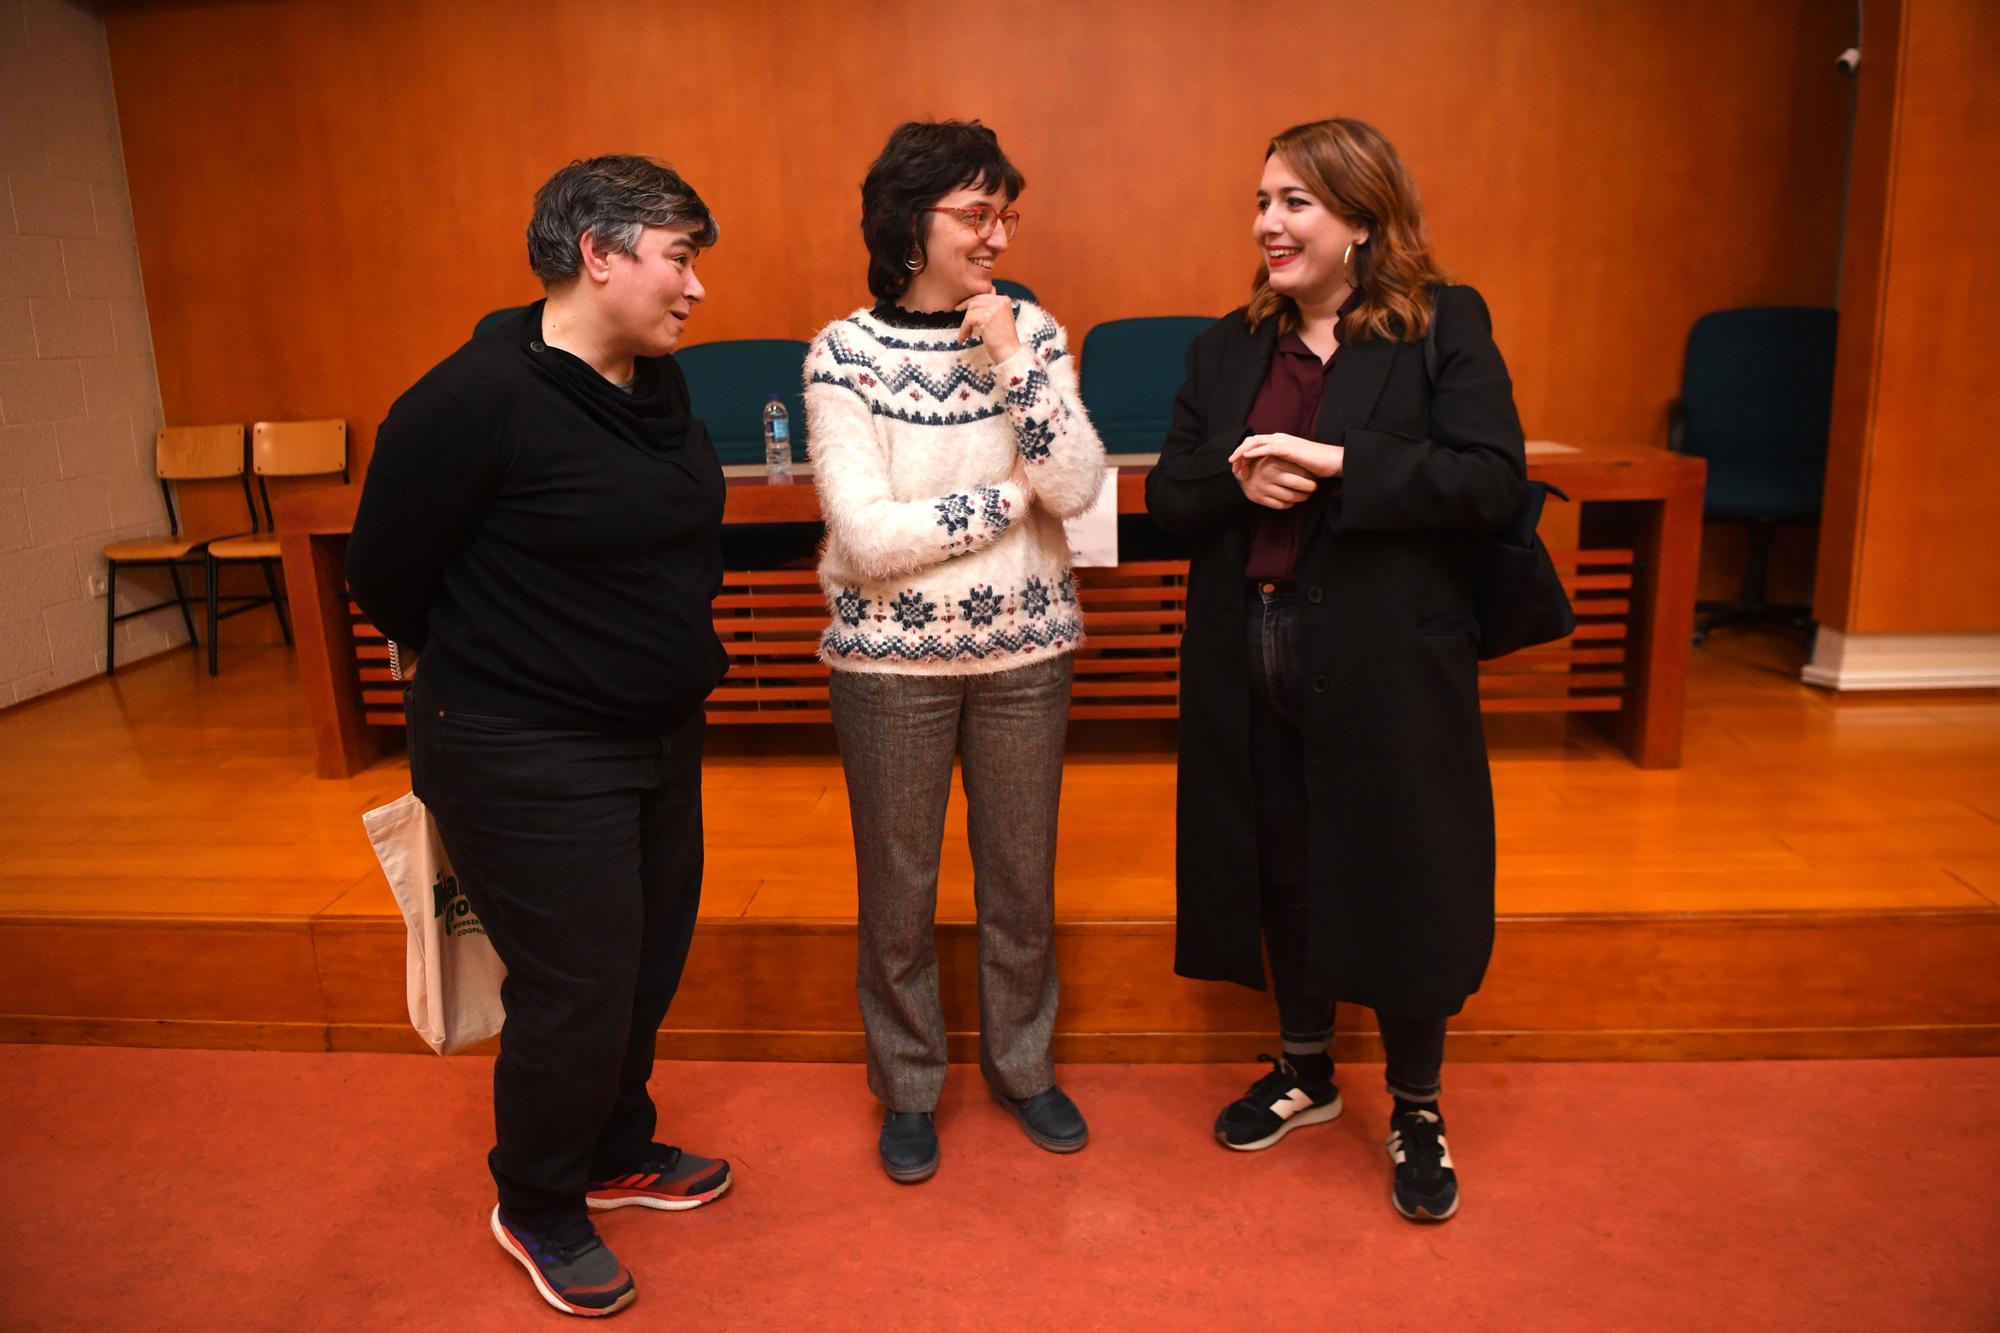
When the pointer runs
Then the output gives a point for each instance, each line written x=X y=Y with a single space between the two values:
x=1351 y=168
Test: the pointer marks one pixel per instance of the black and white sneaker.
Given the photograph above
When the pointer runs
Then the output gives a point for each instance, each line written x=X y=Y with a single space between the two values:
x=1426 y=1186
x=1275 y=1105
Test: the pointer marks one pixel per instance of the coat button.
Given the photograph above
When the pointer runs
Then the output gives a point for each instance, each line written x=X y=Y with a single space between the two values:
x=1314 y=595
x=1319 y=684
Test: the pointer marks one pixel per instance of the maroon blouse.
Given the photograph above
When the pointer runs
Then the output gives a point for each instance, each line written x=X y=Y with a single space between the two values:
x=1289 y=404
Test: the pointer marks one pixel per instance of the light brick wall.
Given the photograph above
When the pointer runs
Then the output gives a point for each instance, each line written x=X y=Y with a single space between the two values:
x=79 y=397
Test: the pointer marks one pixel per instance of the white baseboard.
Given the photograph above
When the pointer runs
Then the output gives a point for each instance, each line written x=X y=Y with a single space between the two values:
x=1904 y=661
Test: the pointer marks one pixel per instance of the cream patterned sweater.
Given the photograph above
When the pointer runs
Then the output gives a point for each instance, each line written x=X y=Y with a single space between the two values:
x=935 y=562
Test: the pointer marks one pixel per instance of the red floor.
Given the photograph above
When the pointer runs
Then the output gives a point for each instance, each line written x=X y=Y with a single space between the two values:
x=195 y=1189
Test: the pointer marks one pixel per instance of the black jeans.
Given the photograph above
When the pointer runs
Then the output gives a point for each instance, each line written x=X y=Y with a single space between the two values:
x=1414 y=1046
x=581 y=851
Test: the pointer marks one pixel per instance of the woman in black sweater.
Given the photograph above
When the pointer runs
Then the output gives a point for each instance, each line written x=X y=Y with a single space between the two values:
x=1335 y=809
x=540 y=521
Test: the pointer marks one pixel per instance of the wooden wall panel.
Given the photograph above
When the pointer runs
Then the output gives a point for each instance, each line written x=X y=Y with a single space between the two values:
x=329 y=192
x=1864 y=269
x=1929 y=550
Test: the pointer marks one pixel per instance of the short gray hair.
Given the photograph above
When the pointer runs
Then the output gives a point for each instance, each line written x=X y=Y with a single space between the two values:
x=614 y=198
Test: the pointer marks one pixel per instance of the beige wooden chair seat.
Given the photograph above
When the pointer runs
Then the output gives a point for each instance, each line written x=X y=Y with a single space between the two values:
x=152 y=548
x=257 y=547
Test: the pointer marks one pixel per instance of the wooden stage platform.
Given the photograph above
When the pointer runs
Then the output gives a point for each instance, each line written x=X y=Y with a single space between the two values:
x=1821 y=877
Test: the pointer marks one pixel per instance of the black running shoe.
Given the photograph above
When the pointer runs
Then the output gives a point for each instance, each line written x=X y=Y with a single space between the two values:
x=1276 y=1104
x=571 y=1268
x=1426 y=1187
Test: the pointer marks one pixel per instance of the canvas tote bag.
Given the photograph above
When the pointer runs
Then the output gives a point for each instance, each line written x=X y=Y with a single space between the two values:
x=452 y=974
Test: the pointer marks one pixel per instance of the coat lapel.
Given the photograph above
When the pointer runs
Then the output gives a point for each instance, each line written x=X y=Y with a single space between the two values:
x=1358 y=373
x=1242 y=376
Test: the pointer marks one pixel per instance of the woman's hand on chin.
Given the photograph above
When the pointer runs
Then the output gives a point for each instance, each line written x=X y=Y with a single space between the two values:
x=989 y=317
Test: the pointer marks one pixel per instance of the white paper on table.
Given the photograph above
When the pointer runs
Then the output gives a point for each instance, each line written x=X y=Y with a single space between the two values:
x=1093 y=534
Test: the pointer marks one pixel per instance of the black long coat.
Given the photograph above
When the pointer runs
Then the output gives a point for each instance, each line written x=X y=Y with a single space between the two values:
x=1401 y=802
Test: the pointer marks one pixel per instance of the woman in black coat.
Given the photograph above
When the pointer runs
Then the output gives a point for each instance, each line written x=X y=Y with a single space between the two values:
x=1335 y=808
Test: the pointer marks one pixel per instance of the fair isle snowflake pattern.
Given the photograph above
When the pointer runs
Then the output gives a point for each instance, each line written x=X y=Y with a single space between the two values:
x=913 y=610
x=1024 y=391
x=955 y=513
x=1037 y=438
x=953 y=574
x=993 y=508
x=850 y=605
x=981 y=606
x=941 y=650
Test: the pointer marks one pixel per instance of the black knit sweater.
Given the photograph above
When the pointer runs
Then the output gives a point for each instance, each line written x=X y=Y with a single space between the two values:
x=547 y=540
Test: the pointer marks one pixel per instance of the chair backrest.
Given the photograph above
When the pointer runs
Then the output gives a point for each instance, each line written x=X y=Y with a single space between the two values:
x=1757 y=403
x=190 y=453
x=298 y=448
x=1131 y=369
x=492 y=320
x=731 y=382
x=1020 y=291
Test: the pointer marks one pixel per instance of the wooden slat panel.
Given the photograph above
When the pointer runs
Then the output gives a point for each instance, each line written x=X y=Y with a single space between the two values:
x=1550 y=682
x=1101 y=688
x=1162 y=617
x=1571 y=703
x=730 y=601
x=1565 y=559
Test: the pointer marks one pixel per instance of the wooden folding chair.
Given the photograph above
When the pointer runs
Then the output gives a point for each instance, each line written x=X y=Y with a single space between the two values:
x=180 y=453
x=277 y=449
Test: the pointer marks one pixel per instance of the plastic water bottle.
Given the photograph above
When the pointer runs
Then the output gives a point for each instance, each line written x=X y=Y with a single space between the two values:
x=777 y=443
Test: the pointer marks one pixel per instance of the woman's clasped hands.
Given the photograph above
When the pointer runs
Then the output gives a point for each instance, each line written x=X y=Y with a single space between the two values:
x=1279 y=470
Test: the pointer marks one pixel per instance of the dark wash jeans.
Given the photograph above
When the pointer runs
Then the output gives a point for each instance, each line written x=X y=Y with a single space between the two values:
x=581 y=851
x=1414 y=1046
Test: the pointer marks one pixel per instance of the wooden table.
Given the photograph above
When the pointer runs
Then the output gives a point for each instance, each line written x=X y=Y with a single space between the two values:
x=1629 y=551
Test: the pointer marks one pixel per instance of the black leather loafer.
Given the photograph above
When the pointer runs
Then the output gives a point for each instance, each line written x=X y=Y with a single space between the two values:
x=909 y=1146
x=1050 y=1118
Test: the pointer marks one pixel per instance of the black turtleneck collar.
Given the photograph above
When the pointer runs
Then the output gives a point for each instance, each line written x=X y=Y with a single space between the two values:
x=896 y=317
x=652 y=411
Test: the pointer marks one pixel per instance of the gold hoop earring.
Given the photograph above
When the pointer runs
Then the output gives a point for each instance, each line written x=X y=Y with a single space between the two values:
x=1347 y=255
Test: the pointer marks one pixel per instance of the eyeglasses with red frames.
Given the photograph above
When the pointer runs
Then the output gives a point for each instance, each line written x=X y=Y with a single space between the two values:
x=982 y=219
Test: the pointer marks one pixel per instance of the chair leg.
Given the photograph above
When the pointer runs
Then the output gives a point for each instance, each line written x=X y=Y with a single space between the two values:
x=180 y=596
x=214 y=570
x=111 y=617
x=1756 y=570
x=277 y=600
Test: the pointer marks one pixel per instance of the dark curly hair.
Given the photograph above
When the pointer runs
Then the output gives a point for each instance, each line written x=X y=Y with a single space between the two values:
x=922 y=163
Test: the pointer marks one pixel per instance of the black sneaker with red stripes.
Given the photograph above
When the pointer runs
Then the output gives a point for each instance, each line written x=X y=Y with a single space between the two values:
x=571 y=1268
x=1275 y=1105
x=664 y=1178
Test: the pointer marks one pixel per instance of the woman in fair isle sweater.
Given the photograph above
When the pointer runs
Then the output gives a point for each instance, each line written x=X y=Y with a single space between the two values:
x=948 y=445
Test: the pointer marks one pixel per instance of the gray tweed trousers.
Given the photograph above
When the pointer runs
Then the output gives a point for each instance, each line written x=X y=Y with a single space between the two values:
x=898 y=735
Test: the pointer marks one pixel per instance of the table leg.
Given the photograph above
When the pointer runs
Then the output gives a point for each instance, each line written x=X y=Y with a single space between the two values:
x=1665 y=538
x=315 y=580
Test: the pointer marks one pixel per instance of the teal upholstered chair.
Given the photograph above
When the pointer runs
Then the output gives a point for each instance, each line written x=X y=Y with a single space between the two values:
x=492 y=320
x=1757 y=403
x=1131 y=369
x=1018 y=290
x=731 y=382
